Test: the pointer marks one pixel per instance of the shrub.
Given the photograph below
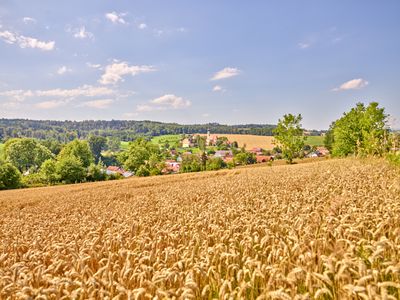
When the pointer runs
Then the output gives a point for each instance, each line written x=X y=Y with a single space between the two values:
x=48 y=171
x=70 y=170
x=95 y=173
x=33 y=180
x=10 y=177
x=142 y=171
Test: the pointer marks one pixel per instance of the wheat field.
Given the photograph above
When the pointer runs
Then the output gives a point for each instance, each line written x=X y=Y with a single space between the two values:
x=323 y=230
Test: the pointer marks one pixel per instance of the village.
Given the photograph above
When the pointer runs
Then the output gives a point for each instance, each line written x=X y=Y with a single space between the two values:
x=218 y=148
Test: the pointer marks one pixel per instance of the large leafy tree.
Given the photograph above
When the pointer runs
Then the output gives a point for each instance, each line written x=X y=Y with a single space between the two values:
x=26 y=153
x=78 y=149
x=97 y=144
x=362 y=130
x=70 y=169
x=290 y=136
x=138 y=154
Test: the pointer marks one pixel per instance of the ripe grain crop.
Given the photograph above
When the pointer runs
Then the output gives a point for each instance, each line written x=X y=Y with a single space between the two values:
x=324 y=230
x=249 y=141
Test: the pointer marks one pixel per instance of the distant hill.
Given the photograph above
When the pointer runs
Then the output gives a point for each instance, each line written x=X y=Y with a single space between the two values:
x=125 y=130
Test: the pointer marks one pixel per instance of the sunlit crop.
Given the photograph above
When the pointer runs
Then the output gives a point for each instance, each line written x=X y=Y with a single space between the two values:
x=324 y=230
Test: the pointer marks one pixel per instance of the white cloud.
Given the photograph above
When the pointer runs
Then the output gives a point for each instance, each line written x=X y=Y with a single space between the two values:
x=17 y=95
x=226 y=73
x=205 y=115
x=142 y=26
x=354 y=84
x=218 y=88
x=62 y=70
x=82 y=33
x=29 y=20
x=83 y=91
x=304 y=45
x=115 y=18
x=50 y=104
x=166 y=102
x=114 y=72
x=94 y=66
x=25 y=42
x=100 y=104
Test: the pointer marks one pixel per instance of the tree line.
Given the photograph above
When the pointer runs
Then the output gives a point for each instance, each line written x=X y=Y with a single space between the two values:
x=362 y=131
x=66 y=131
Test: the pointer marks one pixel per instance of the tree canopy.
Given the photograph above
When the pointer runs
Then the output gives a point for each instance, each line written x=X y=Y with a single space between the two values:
x=289 y=135
x=138 y=154
x=78 y=149
x=362 y=131
x=26 y=153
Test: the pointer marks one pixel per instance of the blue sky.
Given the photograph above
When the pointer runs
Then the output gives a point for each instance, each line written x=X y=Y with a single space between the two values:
x=226 y=61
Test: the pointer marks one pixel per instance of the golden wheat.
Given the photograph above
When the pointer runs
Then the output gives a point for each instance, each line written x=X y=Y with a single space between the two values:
x=325 y=230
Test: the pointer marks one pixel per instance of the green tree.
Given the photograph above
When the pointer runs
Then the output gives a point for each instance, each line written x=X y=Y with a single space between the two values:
x=244 y=158
x=70 y=169
x=201 y=142
x=53 y=145
x=97 y=144
x=26 y=153
x=138 y=154
x=191 y=163
x=289 y=136
x=215 y=164
x=78 y=149
x=95 y=172
x=361 y=131
x=48 y=171
x=143 y=171
x=114 y=143
x=329 y=137
x=10 y=177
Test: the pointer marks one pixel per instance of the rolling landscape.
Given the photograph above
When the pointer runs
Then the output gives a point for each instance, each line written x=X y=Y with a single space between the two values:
x=199 y=150
x=225 y=234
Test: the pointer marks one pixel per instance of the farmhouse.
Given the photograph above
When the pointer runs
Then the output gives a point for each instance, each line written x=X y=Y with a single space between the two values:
x=323 y=151
x=256 y=151
x=171 y=166
x=223 y=153
x=112 y=170
x=264 y=158
x=187 y=143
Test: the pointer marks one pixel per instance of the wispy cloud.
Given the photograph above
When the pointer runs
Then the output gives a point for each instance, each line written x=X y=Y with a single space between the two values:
x=25 y=42
x=51 y=104
x=226 y=73
x=218 y=88
x=304 y=45
x=62 y=70
x=142 y=26
x=29 y=20
x=115 y=72
x=100 y=104
x=82 y=91
x=94 y=66
x=166 y=102
x=354 y=84
x=82 y=33
x=116 y=17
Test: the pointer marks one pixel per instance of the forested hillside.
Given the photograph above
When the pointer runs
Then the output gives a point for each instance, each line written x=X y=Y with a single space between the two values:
x=126 y=130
